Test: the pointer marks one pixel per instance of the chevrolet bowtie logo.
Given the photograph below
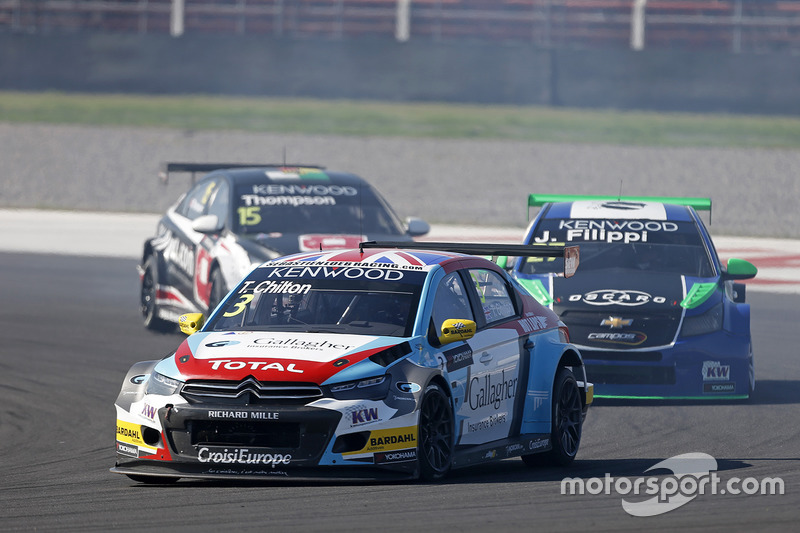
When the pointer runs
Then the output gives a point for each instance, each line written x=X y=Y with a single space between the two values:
x=615 y=322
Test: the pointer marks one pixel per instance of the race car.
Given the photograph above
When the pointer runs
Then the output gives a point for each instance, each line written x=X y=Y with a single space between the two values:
x=381 y=362
x=240 y=215
x=654 y=312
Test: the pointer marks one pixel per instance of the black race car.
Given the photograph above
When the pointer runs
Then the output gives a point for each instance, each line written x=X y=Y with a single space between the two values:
x=239 y=216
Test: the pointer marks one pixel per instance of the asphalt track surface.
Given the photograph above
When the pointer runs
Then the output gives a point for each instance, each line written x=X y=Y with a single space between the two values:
x=71 y=329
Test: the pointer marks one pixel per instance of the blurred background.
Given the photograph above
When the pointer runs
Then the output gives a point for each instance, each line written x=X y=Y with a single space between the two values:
x=684 y=55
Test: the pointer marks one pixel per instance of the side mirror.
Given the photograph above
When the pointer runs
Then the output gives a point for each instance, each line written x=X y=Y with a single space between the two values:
x=417 y=227
x=191 y=322
x=739 y=269
x=207 y=224
x=457 y=329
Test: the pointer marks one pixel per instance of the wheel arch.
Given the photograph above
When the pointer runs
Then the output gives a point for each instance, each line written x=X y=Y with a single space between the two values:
x=571 y=358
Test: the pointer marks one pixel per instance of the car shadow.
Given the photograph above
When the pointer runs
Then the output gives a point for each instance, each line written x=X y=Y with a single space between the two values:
x=768 y=392
x=502 y=472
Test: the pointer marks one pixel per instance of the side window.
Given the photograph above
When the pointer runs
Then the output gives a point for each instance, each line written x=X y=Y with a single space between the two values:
x=493 y=295
x=450 y=301
x=196 y=201
x=219 y=203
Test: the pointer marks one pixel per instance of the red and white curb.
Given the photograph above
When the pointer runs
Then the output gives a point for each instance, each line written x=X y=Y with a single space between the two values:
x=123 y=235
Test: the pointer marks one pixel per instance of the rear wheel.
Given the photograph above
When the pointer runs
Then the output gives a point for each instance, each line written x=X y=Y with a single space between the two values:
x=435 y=448
x=148 y=298
x=567 y=420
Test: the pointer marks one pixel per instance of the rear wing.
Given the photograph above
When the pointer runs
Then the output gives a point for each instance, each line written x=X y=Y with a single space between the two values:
x=194 y=168
x=571 y=254
x=699 y=204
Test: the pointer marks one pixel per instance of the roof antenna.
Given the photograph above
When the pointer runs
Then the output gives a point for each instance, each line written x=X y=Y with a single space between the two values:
x=284 y=155
x=361 y=211
x=619 y=198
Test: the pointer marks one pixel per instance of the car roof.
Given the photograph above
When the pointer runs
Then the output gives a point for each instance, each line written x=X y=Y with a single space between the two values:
x=615 y=209
x=674 y=208
x=288 y=175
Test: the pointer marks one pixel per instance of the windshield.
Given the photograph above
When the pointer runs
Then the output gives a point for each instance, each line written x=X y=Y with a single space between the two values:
x=362 y=301
x=312 y=208
x=643 y=245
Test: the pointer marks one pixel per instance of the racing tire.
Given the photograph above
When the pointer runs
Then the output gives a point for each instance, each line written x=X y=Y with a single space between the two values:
x=566 y=425
x=153 y=480
x=148 y=299
x=435 y=448
x=218 y=290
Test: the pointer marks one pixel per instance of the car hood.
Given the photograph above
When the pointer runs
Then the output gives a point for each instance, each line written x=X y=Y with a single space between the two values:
x=279 y=356
x=620 y=310
x=619 y=290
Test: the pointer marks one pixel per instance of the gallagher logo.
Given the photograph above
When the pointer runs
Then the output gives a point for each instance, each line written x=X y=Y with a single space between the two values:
x=219 y=344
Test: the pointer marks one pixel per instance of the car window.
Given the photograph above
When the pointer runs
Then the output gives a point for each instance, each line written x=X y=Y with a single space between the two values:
x=323 y=299
x=493 y=295
x=644 y=245
x=451 y=301
x=316 y=208
x=196 y=201
x=220 y=202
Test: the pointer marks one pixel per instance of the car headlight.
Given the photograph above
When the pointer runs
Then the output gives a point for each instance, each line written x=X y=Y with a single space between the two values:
x=162 y=385
x=365 y=389
x=708 y=322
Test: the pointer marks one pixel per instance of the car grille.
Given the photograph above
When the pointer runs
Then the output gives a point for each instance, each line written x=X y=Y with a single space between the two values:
x=649 y=357
x=234 y=433
x=630 y=375
x=649 y=330
x=249 y=391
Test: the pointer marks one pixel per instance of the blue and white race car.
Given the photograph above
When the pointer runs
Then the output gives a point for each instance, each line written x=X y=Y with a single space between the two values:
x=653 y=311
x=392 y=360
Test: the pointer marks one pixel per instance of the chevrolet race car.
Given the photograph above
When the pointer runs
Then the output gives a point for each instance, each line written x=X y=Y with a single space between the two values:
x=383 y=362
x=653 y=311
x=241 y=215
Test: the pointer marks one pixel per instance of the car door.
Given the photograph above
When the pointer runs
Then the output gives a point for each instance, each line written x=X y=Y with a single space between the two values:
x=185 y=248
x=483 y=371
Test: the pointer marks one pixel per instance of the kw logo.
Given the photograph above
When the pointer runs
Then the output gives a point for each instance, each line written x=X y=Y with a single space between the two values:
x=149 y=412
x=363 y=416
x=714 y=371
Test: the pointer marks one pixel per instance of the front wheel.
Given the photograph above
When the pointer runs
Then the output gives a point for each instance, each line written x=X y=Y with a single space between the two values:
x=566 y=425
x=435 y=448
x=148 y=303
x=217 y=292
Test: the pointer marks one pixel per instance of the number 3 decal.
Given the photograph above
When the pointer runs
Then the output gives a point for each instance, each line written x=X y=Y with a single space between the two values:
x=240 y=305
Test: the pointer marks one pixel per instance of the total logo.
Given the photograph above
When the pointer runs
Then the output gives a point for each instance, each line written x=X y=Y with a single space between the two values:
x=229 y=364
x=627 y=298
